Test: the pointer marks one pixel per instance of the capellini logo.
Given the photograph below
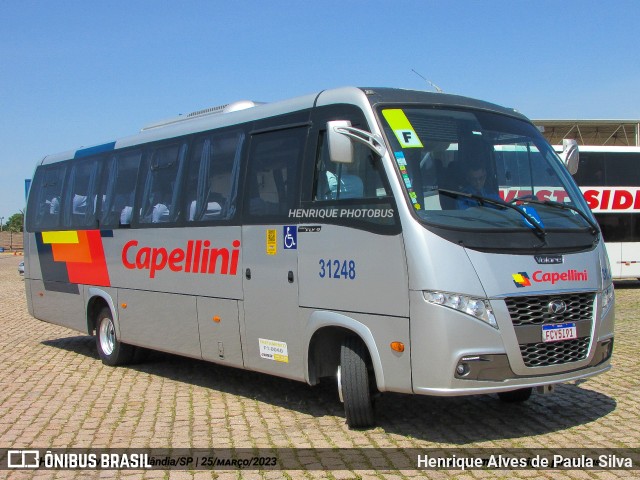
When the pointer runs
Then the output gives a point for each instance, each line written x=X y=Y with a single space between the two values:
x=198 y=257
x=521 y=279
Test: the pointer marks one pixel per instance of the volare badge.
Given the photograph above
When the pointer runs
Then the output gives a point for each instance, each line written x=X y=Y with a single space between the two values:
x=549 y=259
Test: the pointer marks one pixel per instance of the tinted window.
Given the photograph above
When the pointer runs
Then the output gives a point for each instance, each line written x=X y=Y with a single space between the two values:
x=46 y=196
x=339 y=181
x=622 y=169
x=590 y=169
x=619 y=228
x=80 y=199
x=161 y=187
x=117 y=189
x=272 y=172
x=212 y=182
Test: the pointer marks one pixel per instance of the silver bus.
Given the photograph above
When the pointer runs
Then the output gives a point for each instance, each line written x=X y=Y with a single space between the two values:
x=356 y=233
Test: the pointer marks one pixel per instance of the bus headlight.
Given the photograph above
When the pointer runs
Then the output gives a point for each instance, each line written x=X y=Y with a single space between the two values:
x=476 y=307
x=607 y=299
x=607 y=293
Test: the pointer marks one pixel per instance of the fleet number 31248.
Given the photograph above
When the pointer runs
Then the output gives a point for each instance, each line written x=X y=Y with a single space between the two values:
x=344 y=269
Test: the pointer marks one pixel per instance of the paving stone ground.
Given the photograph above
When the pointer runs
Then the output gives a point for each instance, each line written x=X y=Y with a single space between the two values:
x=55 y=393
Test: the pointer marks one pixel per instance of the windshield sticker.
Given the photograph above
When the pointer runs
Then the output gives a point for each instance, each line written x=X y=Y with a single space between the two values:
x=406 y=179
x=402 y=166
x=400 y=160
x=402 y=128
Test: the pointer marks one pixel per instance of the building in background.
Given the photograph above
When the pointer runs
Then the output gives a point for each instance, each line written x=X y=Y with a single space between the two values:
x=621 y=133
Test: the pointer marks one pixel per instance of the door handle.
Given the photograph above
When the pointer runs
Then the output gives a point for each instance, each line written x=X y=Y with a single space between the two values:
x=290 y=276
x=247 y=274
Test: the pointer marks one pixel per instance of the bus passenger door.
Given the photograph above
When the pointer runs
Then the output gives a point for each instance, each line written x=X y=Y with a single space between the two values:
x=270 y=330
x=270 y=302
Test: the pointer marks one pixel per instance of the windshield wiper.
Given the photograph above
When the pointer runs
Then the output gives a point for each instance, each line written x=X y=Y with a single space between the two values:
x=594 y=226
x=539 y=231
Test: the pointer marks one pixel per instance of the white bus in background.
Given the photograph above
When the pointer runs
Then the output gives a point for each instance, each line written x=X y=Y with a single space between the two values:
x=330 y=235
x=609 y=178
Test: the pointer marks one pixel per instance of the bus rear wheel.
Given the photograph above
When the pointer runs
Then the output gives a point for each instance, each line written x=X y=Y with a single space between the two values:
x=111 y=351
x=355 y=382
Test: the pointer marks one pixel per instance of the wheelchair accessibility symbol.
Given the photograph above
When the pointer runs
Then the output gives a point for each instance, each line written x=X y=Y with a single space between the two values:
x=290 y=234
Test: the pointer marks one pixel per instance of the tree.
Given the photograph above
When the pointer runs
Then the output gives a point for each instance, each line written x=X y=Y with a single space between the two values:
x=15 y=223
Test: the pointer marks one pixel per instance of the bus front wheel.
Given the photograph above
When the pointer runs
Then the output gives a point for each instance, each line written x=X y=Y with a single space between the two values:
x=111 y=351
x=355 y=381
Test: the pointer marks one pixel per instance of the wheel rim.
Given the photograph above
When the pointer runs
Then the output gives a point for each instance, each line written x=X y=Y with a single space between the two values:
x=107 y=336
x=339 y=377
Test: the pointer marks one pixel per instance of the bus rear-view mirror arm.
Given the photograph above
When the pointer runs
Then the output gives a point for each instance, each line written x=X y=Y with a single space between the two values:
x=340 y=135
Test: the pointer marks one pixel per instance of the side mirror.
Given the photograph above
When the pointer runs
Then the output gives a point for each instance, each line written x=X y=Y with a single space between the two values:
x=570 y=155
x=340 y=134
x=340 y=146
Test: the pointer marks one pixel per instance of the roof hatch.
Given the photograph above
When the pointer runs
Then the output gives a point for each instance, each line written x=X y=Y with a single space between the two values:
x=227 y=108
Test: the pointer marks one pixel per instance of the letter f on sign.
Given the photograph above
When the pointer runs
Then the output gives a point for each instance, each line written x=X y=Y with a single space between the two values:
x=408 y=138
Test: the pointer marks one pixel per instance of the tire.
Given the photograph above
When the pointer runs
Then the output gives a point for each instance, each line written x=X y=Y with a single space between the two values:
x=516 y=396
x=355 y=381
x=111 y=351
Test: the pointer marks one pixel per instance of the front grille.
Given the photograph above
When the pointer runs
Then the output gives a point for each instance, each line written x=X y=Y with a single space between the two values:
x=534 y=310
x=556 y=353
x=530 y=311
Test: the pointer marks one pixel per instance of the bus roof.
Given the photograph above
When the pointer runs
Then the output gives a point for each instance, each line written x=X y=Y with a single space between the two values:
x=419 y=97
x=247 y=111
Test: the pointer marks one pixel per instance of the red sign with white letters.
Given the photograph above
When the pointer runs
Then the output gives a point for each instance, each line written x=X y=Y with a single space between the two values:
x=599 y=199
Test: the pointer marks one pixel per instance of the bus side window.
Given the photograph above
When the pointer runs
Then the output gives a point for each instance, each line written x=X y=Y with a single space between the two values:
x=212 y=181
x=80 y=198
x=161 y=186
x=272 y=173
x=621 y=169
x=591 y=170
x=44 y=208
x=338 y=181
x=117 y=189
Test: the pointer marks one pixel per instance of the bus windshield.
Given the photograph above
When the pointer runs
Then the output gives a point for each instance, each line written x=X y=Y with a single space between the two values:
x=467 y=170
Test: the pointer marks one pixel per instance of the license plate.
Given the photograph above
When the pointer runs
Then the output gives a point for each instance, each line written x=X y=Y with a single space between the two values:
x=558 y=333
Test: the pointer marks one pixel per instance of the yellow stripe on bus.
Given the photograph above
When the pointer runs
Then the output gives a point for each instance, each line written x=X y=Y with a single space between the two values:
x=68 y=236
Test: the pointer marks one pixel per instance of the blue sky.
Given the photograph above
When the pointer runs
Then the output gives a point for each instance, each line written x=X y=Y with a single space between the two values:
x=78 y=73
